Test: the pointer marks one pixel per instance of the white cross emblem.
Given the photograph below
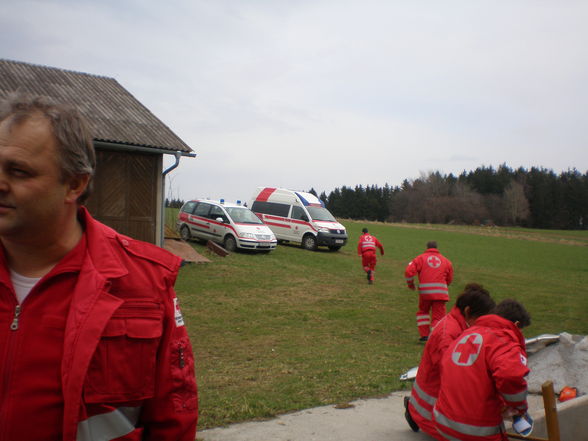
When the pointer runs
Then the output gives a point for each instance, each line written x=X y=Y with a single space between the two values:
x=467 y=350
x=433 y=261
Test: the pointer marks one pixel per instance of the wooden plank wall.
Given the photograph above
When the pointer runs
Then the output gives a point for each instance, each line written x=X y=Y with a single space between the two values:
x=125 y=193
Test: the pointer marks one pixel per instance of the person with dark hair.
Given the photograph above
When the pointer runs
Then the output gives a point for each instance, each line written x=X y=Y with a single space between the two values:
x=366 y=248
x=472 y=303
x=483 y=377
x=93 y=341
x=435 y=274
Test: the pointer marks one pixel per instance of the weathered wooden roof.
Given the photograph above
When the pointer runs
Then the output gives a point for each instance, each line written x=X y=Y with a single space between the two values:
x=116 y=115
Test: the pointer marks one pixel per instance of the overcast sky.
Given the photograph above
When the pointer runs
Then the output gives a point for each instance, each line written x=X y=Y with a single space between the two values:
x=321 y=93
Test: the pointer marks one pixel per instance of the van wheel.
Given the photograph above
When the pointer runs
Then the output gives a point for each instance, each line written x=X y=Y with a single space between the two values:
x=185 y=233
x=230 y=243
x=334 y=248
x=309 y=242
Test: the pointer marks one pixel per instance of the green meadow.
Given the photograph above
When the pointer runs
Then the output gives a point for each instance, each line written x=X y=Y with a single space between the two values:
x=292 y=329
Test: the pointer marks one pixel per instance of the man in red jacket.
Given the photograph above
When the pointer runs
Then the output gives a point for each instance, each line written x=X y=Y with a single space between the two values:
x=435 y=273
x=472 y=303
x=483 y=377
x=366 y=248
x=92 y=341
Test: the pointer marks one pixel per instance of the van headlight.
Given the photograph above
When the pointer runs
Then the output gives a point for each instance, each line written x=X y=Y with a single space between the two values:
x=248 y=235
x=323 y=230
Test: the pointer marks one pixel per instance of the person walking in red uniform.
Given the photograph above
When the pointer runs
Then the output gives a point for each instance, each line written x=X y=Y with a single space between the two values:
x=483 y=377
x=435 y=273
x=92 y=341
x=472 y=303
x=366 y=248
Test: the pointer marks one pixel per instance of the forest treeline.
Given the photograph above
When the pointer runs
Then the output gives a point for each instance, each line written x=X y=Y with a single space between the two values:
x=536 y=198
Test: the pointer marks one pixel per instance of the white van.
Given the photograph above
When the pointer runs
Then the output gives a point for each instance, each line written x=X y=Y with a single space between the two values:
x=231 y=225
x=296 y=216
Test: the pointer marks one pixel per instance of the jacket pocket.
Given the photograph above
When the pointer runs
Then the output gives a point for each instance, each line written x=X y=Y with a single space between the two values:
x=124 y=364
x=185 y=395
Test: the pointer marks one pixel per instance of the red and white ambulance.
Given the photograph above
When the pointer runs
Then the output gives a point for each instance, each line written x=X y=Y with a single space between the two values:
x=231 y=225
x=296 y=216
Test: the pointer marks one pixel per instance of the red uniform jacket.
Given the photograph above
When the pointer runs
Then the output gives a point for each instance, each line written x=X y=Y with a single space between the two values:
x=435 y=273
x=482 y=372
x=127 y=368
x=426 y=386
x=367 y=244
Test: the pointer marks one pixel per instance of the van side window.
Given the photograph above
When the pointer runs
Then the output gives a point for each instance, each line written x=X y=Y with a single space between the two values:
x=298 y=213
x=202 y=210
x=217 y=212
x=189 y=207
x=271 y=208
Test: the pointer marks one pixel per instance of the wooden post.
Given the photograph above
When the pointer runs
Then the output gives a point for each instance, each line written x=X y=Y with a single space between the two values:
x=551 y=420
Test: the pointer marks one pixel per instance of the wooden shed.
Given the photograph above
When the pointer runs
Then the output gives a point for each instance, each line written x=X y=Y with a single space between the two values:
x=130 y=143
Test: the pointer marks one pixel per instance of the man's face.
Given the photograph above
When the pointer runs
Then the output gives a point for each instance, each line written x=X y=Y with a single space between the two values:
x=32 y=193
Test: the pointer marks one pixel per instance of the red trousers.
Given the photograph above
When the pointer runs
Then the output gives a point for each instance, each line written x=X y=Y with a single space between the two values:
x=368 y=260
x=429 y=313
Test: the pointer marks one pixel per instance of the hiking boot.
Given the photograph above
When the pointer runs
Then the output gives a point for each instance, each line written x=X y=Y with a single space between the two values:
x=424 y=339
x=414 y=426
x=369 y=276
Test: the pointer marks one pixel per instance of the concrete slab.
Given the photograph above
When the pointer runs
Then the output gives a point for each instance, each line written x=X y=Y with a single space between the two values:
x=573 y=420
x=380 y=419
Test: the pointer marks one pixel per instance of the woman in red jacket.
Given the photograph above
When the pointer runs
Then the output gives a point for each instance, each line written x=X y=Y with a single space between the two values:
x=483 y=377
x=472 y=303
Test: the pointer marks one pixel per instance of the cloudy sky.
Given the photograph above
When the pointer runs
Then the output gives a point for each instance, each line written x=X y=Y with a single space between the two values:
x=326 y=93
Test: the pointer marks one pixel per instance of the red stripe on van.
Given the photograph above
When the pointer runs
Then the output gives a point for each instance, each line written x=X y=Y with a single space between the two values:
x=277 y=225
x=265 y=194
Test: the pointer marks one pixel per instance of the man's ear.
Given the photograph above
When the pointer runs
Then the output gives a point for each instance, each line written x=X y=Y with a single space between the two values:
x=76 y=186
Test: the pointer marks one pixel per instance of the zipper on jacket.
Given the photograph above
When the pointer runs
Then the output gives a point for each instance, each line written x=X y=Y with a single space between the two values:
x=181 y=359
x=14 y=324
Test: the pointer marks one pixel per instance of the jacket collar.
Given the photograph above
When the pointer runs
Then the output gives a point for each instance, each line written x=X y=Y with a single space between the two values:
x=496 y=322
x=458 y=316
x=99 y=246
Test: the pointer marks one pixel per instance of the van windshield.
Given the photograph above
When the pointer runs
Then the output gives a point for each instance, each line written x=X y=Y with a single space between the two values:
x=242 y=215
x=320 y=214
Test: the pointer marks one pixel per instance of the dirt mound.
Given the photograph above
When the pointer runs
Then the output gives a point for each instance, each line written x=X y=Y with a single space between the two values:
x=565 y=363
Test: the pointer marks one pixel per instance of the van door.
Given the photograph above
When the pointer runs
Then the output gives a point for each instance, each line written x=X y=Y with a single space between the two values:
x=199 y=221
x=299 y=223
x=218 y=228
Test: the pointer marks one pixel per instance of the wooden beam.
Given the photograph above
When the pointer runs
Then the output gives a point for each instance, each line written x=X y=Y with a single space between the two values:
x=551 y=420
x=215 y=248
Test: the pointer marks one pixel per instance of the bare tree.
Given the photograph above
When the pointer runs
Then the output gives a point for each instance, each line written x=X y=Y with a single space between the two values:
x=516 y=205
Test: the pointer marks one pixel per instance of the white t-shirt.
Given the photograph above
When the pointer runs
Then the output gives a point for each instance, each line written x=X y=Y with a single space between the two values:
x=22 y=285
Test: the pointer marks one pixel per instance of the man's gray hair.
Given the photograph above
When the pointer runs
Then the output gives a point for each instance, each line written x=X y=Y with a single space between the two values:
x=70 y=128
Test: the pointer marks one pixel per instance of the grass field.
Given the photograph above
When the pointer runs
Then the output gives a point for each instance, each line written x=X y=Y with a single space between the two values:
x=292 y=329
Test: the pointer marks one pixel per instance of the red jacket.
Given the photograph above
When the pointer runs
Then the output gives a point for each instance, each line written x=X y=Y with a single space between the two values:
x=368 y=244
x=124 y=362
x=435 y=273
x=426 y=386
x=482 y=372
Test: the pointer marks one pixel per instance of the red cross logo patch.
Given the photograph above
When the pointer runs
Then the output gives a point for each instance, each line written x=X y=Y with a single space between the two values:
x=433 y=261
x=467 y=350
